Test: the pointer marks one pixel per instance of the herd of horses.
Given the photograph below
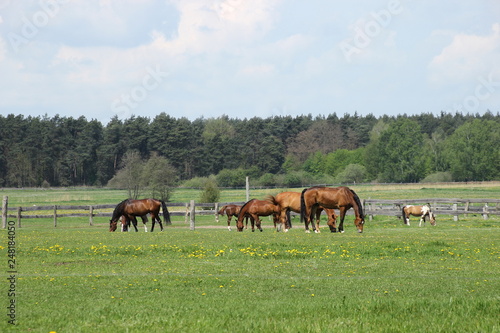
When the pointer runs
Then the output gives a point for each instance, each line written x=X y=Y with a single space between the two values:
x=310 y=203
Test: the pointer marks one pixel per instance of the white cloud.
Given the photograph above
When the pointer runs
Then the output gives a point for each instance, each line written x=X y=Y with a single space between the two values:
x=467 y=57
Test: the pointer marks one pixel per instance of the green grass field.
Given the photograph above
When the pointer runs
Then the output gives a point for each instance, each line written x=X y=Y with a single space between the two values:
x=391 y=278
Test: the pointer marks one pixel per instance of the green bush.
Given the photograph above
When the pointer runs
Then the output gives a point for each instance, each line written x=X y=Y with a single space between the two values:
x=353 y=173
x=197 y=182
x=211 y=192
x=267 y=179
x=438 y=177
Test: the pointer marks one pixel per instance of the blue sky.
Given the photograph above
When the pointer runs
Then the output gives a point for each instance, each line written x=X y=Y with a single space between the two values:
x=242 y=58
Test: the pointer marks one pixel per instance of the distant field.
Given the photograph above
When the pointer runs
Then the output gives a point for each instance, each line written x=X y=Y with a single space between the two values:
x=88 y=196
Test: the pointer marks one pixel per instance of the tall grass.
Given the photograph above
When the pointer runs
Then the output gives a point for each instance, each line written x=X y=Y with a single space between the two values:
x=391 y=278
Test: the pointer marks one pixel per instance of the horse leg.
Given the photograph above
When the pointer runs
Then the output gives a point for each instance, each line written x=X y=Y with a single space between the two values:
x=406 y=218
x=422 y=219
x=308 y=219
x=314 y=208
x=342 y=216
x=134 y=222
x=318 y=216
x=144 y=220
x=161 y=225
x=229 y=222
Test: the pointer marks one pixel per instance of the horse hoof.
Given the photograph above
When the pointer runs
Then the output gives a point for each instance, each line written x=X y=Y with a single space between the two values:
x=342 y=231
x=307 y=232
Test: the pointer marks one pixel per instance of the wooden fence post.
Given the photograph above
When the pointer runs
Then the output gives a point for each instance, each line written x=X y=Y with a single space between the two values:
x=4 y=211
x=485 y=211
x=455 y=216
x=186 y=217
x=91 y=215
x=247 y=188
x=191 y=215
x=19 y=210
x=55 y=216
x=216 y=212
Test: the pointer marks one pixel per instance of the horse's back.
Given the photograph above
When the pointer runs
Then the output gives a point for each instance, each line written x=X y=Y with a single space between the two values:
x=289 y=200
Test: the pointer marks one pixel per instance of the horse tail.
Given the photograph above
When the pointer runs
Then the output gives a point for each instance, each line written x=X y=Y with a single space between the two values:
x=221 y=211
x=358 y=202
x=118 y=211
x=166 y=214
x=303 y=206
x=272 y=199
x=404 y=214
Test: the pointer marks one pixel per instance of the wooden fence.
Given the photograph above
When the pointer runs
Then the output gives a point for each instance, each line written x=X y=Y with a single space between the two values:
x=454 y=207
x=372 y=207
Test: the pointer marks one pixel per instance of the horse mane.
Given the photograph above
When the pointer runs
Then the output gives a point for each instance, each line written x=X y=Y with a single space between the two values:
x=358 y=202
x=242 y=209
x=119 y=210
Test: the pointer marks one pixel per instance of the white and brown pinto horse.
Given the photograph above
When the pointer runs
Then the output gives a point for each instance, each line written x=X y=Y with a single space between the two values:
x=422 y=211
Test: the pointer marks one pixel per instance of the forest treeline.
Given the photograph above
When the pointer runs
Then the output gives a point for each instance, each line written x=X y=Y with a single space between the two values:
x=279 y=150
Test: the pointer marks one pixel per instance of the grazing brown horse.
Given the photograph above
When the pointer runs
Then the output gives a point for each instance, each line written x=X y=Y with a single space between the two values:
x=124 y=222
x=290 y=201
x=132 y=208
x=230 y=211
x=341 y=198
x=421 y=211
x=255 y=208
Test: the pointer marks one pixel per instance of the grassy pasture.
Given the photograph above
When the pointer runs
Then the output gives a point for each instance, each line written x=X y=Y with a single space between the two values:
x=391 y=278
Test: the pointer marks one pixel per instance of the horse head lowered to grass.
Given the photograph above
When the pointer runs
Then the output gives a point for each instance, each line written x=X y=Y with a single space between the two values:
x=342 y=198
x=422 y=211
x=230 y=211
x=130 y=209
x=255 y=208
x=290 y=202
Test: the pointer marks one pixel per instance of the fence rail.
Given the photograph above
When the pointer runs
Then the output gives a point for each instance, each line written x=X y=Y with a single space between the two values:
x=440 y=206
x=372 y=207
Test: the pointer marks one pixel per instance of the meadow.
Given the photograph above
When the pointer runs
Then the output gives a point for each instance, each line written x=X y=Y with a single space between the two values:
x=391 y=278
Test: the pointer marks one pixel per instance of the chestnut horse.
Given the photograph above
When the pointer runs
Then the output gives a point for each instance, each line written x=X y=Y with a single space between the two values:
x=290 y=201
x=341 y=198
x=421 y=211
x=125 y=223
x=132 y=208
x=230 y=211
x=255 y=208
